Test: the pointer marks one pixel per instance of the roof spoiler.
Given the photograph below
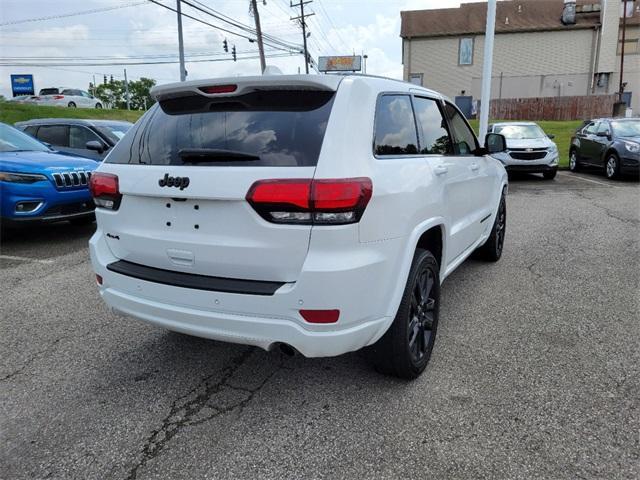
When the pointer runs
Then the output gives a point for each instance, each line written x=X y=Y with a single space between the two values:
x=234 y=86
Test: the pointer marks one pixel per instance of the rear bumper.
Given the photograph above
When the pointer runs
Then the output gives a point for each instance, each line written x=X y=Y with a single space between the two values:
x=358 y=285
x=258 y=331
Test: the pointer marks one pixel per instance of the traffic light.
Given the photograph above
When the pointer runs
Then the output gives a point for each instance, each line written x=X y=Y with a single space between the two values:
x=233 y=52
x=225 y=45
x=111 y=79
x=105 y=79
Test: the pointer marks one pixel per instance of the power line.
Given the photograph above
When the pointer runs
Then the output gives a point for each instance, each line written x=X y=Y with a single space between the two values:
x=167 y=62
x=73 y=14
x=217 y=27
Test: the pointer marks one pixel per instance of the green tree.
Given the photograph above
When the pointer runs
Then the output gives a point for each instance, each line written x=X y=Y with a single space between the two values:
x=113 y=93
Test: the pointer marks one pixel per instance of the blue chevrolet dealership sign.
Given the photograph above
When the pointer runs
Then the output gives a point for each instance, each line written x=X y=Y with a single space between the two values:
x=22 y=85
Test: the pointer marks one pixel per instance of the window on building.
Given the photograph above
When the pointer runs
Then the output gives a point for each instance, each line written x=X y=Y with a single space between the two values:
x=631 y=46
x=465 y=51
x=434 y=136
x=416 y=78
x=395 y=126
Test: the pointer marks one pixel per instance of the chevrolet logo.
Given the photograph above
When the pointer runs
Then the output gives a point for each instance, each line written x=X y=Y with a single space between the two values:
x=529 y=149
x=21 y=80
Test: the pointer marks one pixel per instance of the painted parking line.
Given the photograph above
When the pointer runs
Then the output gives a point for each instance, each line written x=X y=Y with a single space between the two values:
x=573 y=175
x=26 y=259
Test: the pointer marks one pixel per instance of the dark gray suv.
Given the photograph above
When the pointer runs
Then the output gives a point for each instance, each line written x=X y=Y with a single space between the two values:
x=86 y=138
x=609 y=143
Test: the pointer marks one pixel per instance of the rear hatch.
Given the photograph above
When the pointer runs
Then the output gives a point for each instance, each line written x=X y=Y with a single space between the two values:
x=185 y=169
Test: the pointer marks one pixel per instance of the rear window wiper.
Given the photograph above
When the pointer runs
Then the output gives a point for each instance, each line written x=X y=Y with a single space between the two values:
x=195 y=155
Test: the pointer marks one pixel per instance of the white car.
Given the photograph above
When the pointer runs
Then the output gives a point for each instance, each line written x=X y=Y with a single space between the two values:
x=67 y=97
x=529 y=149
x=314 y=213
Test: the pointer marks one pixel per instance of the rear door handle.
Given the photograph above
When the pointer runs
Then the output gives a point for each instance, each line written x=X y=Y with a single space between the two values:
x=474 y=167
x=440 y=169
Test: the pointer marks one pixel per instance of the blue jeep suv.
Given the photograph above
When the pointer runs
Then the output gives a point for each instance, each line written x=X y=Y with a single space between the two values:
x=40 y=185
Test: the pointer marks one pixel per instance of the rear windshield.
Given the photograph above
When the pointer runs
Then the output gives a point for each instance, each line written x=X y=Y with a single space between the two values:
x=267 y=128
x=49 y=91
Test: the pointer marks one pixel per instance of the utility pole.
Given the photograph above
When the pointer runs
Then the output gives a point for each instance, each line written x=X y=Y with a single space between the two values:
x=183 y=72
x=487 y=69
x=302 y=18
x=256 y=17
x=126 y=89
x=624 y=39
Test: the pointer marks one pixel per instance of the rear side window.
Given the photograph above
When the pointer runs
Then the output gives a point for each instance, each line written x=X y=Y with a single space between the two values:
x=464 y=140
x=49 y=91
x=434 y=136
x=395 y=126
x=57 y=135
x=267 y=128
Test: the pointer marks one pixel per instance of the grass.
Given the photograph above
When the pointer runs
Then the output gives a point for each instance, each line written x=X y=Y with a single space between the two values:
x=11 y=113
x=15 y=112
x=563 y=130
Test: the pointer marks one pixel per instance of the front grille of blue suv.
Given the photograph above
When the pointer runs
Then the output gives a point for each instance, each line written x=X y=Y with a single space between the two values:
x=40 y=185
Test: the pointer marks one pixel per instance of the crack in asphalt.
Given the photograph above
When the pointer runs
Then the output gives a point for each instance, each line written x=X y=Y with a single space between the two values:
x=607 y=211
x=31 y=359
x=185 y=414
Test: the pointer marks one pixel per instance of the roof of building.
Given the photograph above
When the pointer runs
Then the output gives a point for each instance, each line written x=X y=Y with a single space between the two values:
x=511 y=16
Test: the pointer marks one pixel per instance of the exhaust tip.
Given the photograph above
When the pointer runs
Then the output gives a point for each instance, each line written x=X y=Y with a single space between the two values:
x=287 y=350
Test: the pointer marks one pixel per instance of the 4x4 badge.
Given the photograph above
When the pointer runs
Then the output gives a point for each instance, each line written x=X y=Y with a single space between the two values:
x=180 y=182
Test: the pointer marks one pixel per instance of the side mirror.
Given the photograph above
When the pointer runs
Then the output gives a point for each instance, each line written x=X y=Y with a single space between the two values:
x=551 y=136
x=495 y=143
x=603 y=134
x=94 y=145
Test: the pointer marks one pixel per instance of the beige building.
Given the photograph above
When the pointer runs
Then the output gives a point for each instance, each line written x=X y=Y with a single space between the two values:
x=543 y=48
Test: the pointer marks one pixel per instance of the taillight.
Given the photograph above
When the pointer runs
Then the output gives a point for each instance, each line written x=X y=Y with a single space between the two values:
x=58 y=97
x=306 y=201
x=105 y=191
x=219 y=89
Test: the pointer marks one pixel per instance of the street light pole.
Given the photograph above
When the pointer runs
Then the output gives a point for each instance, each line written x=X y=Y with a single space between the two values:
x=487 y=69
x=624 y=39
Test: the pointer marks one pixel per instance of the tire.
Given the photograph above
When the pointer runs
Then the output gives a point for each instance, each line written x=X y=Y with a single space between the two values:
x=491 y=251
x=612 y=166
x=550 y=174
x=405 y=349
x=574 y=163
x=98 y=105
x=71 y=105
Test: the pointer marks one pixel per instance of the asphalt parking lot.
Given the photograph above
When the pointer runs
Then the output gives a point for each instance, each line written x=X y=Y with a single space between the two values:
x=535 y=374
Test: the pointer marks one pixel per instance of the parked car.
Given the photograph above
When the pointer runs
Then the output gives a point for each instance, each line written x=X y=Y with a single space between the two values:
x=250 y=210
x=87 y=138
x=67 y=97
x=529 y=149
x=22 y=99
x=609 y=143
x=40 y=185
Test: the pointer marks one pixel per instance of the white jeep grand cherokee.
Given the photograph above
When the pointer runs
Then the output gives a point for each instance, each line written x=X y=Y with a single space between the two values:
x=315 y=212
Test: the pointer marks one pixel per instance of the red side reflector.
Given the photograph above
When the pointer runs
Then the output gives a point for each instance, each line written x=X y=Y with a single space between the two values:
x=98 y=279
x=219 y=89
x=58 y=97
x=320 y=316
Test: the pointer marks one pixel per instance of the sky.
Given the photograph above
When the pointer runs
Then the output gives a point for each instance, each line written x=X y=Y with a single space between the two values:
x=141 y=28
